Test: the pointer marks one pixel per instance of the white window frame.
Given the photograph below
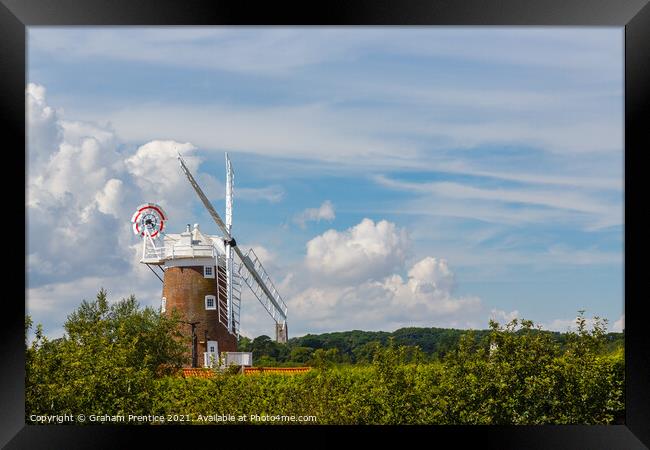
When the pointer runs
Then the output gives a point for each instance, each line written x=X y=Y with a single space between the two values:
x=205 y=274
x=214 y=302
x=163 y=304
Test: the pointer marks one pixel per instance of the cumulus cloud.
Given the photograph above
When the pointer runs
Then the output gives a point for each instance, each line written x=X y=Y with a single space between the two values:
x=324 y=212
x=503 y=317
x=425 y=298
x=111 y=197
x=619 y=325
x=82 y=188
x=365 y=250
x=73 y=197
x=44 y=131
x=428 y=290
x=351 y=279
x=157 y=174
x=340 y=295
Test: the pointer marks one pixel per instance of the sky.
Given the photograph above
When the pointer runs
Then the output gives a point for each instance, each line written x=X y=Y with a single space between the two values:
x=385 y=176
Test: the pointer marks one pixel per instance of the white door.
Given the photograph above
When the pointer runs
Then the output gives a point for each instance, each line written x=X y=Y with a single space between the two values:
x=210 y=357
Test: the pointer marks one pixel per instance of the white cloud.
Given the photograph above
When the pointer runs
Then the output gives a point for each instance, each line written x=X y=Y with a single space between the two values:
x=364 y=251
x=424 y=299
x=564 y=325
x=548 y=198
x=324 y=212
x=272 y=194
x=216 y=190
x=81 y=193
x=314 y=131
x=619 y=325
x=549 y=205
x=503 y=317
x=157 y=174
x=75 y=132
x=431 y=274
x=279 y=51
x=322 y=131
x=428 y=290
x=72 y=199
x=577 y=180
x=111 y=197
x=44 y=132
x=350 y=280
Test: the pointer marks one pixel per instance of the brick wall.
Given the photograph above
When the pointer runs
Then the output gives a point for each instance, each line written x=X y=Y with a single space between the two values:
x=185 y=289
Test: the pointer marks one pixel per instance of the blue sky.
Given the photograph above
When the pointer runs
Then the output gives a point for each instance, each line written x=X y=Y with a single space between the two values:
x=388 y=177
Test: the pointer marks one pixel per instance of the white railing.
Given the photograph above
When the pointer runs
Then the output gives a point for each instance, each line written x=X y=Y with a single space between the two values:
x=238 y=358
x=192 y=251
x=153 y=253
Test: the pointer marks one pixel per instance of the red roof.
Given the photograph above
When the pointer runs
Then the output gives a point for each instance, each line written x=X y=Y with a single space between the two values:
x=207 y=373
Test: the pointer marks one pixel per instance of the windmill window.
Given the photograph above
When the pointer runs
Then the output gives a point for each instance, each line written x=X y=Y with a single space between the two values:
x=163 y=304
x=208 y=272
x=210 y=302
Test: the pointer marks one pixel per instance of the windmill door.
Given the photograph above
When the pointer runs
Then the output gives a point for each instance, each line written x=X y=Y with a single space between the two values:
x=211 y=357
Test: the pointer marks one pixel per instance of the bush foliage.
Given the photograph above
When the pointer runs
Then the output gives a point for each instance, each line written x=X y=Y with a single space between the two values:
x=122 y=360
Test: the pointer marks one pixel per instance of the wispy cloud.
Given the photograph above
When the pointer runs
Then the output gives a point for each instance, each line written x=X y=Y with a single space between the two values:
x=603 y=213
x=255 y=50
x=324 y=212
x=271 y=194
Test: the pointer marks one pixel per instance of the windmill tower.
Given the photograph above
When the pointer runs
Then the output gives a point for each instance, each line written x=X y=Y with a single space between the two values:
x=201 y=277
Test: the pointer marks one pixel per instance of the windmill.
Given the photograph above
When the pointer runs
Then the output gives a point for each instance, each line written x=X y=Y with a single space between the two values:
x=250 y=268
x=202 y=274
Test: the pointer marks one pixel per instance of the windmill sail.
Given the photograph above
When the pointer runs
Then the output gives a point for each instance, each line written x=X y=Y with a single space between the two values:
x=262 y=287
x=230 y=276
x=250 y=270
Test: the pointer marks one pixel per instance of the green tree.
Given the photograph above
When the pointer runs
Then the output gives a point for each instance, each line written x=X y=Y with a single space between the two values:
x=520 y=375
x=324 y=359
x=301 y=355
x=364 y=354
x=106 y=361
x=590 y=380
x=244 y=344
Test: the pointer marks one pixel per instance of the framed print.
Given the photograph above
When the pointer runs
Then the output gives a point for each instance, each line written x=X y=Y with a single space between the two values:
x=419 y=216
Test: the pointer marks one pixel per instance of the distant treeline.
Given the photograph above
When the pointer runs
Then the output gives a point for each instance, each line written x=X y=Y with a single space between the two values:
x=356 y=346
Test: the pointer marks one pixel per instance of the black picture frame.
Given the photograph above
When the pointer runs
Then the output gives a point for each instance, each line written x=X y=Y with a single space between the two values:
x=634 y=15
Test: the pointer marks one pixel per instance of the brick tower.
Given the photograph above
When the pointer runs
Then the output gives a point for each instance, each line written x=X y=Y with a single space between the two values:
x=194 y=284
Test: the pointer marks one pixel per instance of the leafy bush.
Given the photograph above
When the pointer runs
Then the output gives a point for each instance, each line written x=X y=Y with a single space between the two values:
x=106 y=363
x=122 y=360
x=520 y=376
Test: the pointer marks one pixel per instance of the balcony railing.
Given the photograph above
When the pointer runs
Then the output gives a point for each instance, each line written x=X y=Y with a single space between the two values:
x=190 y=251
x=151 y=253
x=238 y=358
